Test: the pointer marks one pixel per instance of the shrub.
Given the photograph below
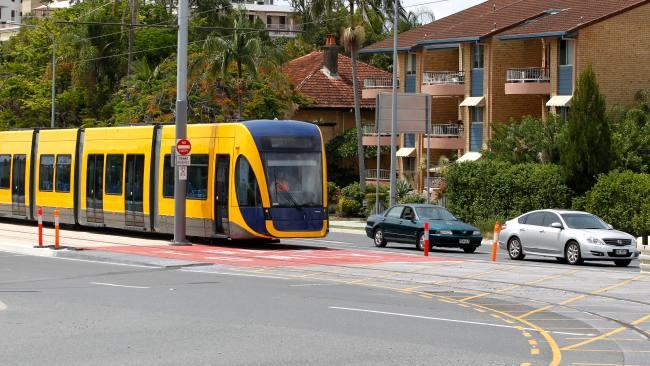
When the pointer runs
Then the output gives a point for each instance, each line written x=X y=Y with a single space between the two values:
x=623 y=200
x=352 y=191
x=333 y=192
x=413 y=197
x=485 y=191
x=350 y=208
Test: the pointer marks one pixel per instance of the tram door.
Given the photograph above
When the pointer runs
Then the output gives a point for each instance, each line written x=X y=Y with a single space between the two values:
x=95 y=189
x=134 y=190
x=18 y=186
x=222 y=175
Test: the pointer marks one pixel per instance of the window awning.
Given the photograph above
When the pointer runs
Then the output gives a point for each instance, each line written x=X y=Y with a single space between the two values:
x=470 y=156
x=473 y=102
x=405 y=152
x=559 y=101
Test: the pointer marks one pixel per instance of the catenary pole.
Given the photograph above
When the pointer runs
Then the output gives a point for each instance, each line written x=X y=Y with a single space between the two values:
x=180 y=186
x=393 y=126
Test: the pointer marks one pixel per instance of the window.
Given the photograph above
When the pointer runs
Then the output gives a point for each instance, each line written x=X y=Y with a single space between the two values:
x=522 y=219
x=269 y=20
x=410 y=64
x=251 y=18
x=550 y=218
x=408 y=213
x=168 y=177
x=197 y=178
x=584 y=221
x=13 y=15
x=478 y=53
x=476 y=114
x=562 y=112
x=566 y=52
x=5 y=171
x=62 y=183
x=114 y=171
x=536 y=218
x=283 y=20
x=409 y=164
x=296 y=178
x=435 y=213
x=409 y=140
x=248 y=191
x=395 y=212
x=46 y=175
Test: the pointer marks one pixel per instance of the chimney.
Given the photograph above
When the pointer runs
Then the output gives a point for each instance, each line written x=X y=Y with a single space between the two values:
x=331 y=55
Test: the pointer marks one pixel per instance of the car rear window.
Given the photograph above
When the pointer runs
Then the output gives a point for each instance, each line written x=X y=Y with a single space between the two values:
x=522 y=220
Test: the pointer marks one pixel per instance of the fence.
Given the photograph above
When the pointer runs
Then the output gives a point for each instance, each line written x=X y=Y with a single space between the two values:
x=443 y=77
x=528 y=75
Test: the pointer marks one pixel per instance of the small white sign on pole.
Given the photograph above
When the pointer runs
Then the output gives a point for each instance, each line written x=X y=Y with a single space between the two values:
x=182 y=172
x=183 y=160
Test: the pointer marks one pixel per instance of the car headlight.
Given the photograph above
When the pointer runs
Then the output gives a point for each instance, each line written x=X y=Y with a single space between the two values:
x=594 y=240
x=476 y=233
x=445 y=232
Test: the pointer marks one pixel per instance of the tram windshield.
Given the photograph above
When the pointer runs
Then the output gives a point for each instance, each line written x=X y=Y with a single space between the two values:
x=295 y=179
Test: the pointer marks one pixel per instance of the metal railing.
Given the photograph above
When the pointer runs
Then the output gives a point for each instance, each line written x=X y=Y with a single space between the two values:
x=379 y=83
x=435 y=182
x=443 y=77
x=528 y=75
x=283 y=27
x=446 y=130
x=384 y=174
x=372 y=130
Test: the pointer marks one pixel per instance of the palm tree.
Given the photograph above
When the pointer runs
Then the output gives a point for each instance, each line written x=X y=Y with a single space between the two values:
x=241 y=48
x=352 y=40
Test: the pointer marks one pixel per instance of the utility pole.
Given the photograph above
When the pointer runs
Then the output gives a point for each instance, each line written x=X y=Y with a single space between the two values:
x=180 y=186
x=134 y=5
x=393 y=125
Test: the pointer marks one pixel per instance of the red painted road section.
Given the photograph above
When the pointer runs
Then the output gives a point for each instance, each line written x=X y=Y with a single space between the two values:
x=270 y=257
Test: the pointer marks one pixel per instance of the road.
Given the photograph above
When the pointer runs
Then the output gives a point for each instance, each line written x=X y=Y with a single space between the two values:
x=63 y=312
x=336 y=300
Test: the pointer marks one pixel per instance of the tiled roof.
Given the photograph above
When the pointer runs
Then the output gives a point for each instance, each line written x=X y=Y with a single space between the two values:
x=310 y=79
x=509 y=17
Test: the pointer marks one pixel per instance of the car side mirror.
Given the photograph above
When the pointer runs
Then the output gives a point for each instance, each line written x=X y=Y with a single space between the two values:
x=557 y=225
x=610 y=227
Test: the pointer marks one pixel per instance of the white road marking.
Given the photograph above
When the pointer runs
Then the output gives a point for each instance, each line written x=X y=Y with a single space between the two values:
x=236 y=274
x=3 y=306
x=444 y=319
x=116 y=285
x=313 y=284
x=102 y=262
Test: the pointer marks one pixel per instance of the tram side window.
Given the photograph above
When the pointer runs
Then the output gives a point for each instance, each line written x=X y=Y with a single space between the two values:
x=114 y=170
x=197 y=178
x=5 y=171
x=62 y=183
x=248 y=192
x=46 y=176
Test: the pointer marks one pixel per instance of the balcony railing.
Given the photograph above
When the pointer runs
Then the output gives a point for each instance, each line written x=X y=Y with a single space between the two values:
x=446 y=130
x=528 y=75
x=379 y=83
x=443 y=78
x=372 y=130
x=371 y=174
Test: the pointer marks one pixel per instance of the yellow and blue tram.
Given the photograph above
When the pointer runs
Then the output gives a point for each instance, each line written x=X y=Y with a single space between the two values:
x=255 y=179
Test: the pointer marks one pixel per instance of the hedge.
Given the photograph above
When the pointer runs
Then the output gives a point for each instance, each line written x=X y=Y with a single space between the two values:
x=623 y=200
x=484 y=191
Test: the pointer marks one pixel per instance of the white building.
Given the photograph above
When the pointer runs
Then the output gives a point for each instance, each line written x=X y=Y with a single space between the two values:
x=279 y=19
x=11 y=11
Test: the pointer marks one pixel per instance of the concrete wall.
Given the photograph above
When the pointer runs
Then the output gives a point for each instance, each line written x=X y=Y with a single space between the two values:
x=619 y=51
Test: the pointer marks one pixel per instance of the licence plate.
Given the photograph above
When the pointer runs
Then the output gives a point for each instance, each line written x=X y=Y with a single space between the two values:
x=463 y=241
x=620 y=251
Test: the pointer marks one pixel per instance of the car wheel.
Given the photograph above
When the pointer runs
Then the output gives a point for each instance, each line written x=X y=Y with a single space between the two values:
x=515 y=250
x=469 y=249
x=572 y=253
x=622 y=262
x=419 y=244
x=380 y=242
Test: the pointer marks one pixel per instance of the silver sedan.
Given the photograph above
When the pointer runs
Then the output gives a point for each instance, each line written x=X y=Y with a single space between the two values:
x=571 y=236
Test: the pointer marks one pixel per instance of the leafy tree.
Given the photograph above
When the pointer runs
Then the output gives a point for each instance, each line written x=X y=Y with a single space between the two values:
x=528 y=141
x=631 y=135
x=586 y=150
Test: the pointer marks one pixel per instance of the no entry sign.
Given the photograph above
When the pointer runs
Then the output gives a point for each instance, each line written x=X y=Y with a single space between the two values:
x=183 y=147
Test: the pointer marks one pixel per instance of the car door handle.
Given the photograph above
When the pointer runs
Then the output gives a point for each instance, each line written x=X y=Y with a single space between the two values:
x=522 y=230
x=541 y=231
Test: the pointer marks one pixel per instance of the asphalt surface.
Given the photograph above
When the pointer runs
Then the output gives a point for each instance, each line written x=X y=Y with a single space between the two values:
x=64 y=312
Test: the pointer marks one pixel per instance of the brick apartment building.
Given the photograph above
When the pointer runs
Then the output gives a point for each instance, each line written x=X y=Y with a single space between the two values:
x=505 y=59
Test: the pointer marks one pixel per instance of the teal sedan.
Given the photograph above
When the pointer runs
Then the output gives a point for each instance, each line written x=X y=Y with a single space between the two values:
x=405 y=224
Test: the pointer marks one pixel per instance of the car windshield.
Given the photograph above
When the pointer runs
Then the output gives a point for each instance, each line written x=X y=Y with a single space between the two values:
x=584 y=221
x=434 y=213
x=295 y=179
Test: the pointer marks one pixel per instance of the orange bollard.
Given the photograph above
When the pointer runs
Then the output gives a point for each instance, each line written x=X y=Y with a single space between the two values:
x=56 y=228
x=495 y=243
x=426 y=239
x=40 y=227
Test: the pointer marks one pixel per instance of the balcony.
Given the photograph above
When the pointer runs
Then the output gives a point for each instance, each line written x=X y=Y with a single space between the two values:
x=370 y=136
x=528 y=80
x=384 y=175
x=448 y=136
x=443 y=83
x=283 y=30
x=374 y=86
